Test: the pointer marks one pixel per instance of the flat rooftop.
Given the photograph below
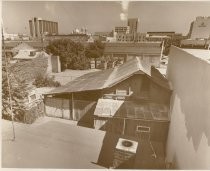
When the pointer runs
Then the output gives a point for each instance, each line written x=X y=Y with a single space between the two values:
x=199 y=53
x=61 y=144
x=51 y=144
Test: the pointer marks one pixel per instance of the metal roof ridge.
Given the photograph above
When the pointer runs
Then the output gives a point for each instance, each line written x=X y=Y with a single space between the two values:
x=108 y=81
x=139 y=63
x=142 y=68
x=111 y=76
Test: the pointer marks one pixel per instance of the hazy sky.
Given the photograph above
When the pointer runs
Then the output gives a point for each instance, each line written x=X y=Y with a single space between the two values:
x=103 y=16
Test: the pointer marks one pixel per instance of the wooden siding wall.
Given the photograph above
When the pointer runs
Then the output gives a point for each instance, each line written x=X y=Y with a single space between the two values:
x=134 y=83
x=158 y=130
x=84 y=96
x=62 y=108
x=159 y=94
x=143 y=88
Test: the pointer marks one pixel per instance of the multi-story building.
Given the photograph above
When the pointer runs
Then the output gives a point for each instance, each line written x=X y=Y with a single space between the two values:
x=162 y=33
x=38 y=27
x=133 y=24
x=122 y=29
x=199 y=33
x=128 y=33
x=138 y=37
x=200 y=28
x=122 y=37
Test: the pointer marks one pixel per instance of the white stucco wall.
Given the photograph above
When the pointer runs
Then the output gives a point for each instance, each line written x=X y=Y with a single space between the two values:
x=188 y=145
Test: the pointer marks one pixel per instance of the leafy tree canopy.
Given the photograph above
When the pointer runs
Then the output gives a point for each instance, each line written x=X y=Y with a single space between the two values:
x=18 y=91
x=72 y=54
x=95 y=50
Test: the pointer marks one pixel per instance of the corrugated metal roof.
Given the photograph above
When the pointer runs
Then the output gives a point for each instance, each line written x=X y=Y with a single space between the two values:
x=90 y=81
x=104 y=79
x=107 y=78
x=129 y=109
x=126 y=70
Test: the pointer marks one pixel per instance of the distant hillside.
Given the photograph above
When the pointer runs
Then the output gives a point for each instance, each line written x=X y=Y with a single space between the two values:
x=27 y=70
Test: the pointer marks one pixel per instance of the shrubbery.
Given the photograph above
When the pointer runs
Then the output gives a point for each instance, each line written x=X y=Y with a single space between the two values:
x=44 y=80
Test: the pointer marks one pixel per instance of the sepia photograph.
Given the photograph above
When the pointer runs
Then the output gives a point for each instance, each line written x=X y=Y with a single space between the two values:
x=105 y=85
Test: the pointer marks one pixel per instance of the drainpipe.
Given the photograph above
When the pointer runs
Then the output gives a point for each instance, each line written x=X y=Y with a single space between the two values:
x=123 y=126
x=62 y=108
x=72 y=106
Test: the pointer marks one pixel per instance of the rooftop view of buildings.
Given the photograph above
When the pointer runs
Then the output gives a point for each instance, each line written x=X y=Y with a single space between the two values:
x=122 y=98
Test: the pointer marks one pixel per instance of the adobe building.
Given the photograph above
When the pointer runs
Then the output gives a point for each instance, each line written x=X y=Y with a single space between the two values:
x=188 y=145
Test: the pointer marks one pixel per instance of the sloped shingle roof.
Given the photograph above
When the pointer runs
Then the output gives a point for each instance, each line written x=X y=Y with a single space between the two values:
x=129 y=109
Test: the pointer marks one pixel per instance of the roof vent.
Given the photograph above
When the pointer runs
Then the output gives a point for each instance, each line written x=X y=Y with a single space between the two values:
x=125 y=150
x=127 y=143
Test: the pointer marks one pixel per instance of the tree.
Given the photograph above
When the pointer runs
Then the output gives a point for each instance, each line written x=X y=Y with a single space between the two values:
x=18 y=91
x=72 y=54
x=95 y=50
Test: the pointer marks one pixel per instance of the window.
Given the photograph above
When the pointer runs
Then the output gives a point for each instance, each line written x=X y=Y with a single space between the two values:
x=121 y=92
x=32 y=53
x=143 y=129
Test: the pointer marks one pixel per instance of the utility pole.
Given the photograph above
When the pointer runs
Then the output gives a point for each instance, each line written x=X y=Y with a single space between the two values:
x=8 y=82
